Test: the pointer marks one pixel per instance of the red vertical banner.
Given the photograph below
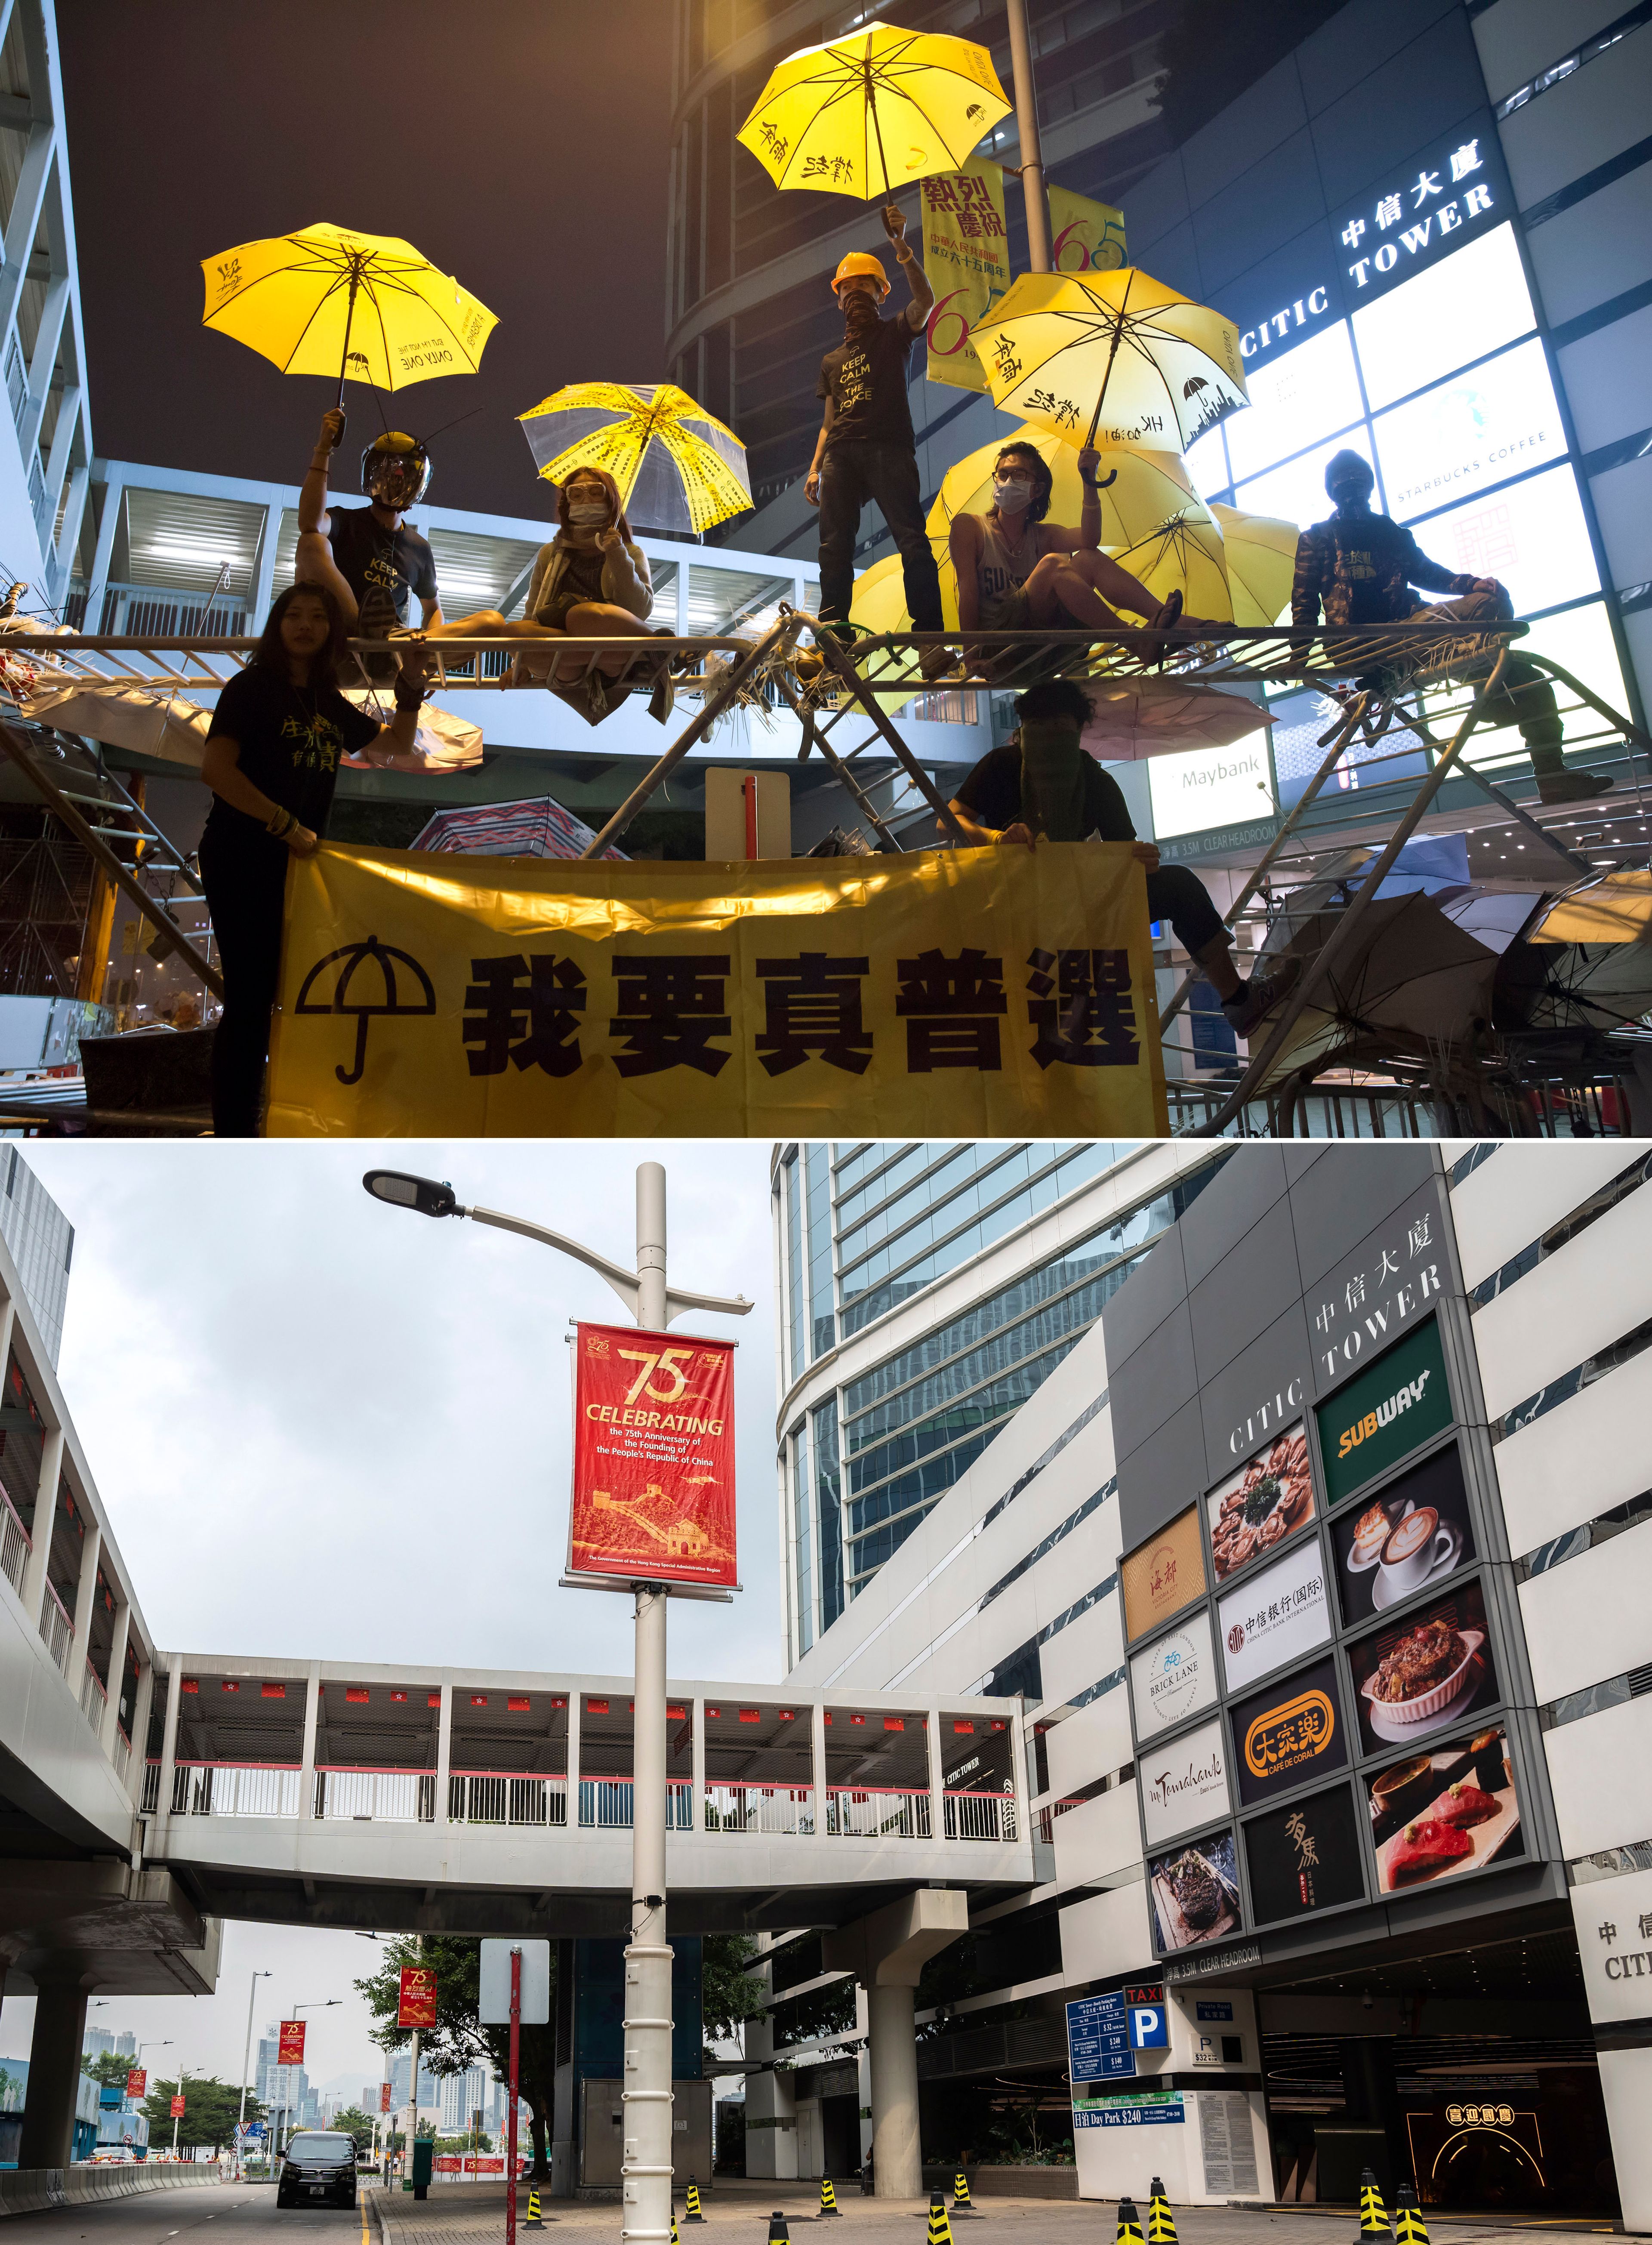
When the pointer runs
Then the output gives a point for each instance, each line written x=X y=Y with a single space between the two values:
x=137 y=2081
x=417 y=2004
x=653 y=1457
x=289 y=2043
x=177 y=2108
x=384 y=2097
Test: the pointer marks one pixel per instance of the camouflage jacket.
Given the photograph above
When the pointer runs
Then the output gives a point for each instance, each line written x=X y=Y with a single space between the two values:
x=1360 y=569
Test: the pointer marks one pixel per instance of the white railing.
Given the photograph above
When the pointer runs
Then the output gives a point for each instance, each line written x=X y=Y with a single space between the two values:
x=878 y=1811
x=55 y=1630
x=484 y=1796
x=93 y=1697
x=980 y=1815
x=785 y=1810
x=14 y=1545
x=149 y=1799
x=605 y=1804
x=229 y=1788
x=376 y=1796
x=123 y=1754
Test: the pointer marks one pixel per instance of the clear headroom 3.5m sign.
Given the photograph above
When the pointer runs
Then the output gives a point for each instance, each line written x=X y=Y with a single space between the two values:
x=653 y=1457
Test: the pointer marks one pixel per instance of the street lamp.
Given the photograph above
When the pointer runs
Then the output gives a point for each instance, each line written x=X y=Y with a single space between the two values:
x=246 y=2060
x=646 y=2167
x=152 y=2044
x=285 y=2071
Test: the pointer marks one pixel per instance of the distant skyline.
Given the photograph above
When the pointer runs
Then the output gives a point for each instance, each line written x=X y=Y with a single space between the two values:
x=325 y=1429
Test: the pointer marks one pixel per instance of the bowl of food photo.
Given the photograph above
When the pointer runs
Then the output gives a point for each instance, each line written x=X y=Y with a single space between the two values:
x=1423 y=1671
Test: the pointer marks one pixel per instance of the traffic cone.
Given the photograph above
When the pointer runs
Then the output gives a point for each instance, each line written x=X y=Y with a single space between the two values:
x=778 y=2233
x=534 y=2219
x=1409 y=2226
x=828 y=2200
x=961 y=2202
x=940 y=2228
x=675 y=2240
x=1129 y=2223
x=691 y=2211
x=1161 y=2228
x=1373 y=2215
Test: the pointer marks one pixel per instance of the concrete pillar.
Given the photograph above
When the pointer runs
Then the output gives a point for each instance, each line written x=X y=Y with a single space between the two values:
x=574 y=1699
x=169 y=1744
x=85 y=1596
x=140 y=1718
x=444 y=1753
x=886 y=1952
x=45 y=1514
x=817 y=1758
x=563 y=2147
x=936 y=1773
x=54 y=2075
x=116 y=1676
x=307 y=1774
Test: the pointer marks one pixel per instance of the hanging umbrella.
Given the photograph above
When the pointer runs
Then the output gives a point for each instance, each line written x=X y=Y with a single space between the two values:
x=327 y=300
x=1139 y=363
x=446 y=742
x=677 y=467
x=1183 y=550
x=1261 y=554
x=538 y=827
x=1139 y=717
x=863 y=115
x=1616 y=909
x=163 y=726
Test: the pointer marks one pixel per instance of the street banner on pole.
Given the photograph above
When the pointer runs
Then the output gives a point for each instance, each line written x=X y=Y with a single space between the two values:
x=967 y=257
x=289 y=2043
x=384 y=2097
x=416 y=2006
x=1087 y=237
x=653 y=1457
x=177 y=2108
x=137 y=2081
x=441 y=996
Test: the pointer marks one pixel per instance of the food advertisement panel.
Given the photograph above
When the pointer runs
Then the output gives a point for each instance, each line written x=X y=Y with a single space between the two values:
x=1305 y=1857
x=1434 y=1815
x=1275 y=1616
x=1414 y=1532
x=1173 y=1678
x=1289 y=1734
x=1195 y=1893
x=653 y=1457
x=1183 y=1784
x=1400 y=1403
x=1270 y=1498
x=1163 y=1575
x=1424 y=1673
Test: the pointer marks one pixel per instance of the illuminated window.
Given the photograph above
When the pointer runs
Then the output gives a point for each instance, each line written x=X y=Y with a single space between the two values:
x=1473 y=431
x=1531 y=536
x=1295 y=400
x=1207 y=462
x=1466 y=305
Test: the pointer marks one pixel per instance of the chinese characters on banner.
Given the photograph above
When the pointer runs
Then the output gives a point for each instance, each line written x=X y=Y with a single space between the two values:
x=1085 y=236
x=653 y=1457
x=290 y=2044
x=416 y=2006
x=967 y=257
x=1012 y=987
x=177 y=2108
x=138 y=2081
x=384 y=2097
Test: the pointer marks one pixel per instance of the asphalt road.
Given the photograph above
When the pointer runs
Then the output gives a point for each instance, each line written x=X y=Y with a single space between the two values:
x=231 y=2215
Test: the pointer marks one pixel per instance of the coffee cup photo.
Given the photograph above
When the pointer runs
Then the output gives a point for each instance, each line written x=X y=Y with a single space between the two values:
x=1418 y=1544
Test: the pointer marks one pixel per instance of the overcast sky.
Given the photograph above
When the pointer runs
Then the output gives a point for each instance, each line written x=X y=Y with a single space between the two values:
x=322 y=1428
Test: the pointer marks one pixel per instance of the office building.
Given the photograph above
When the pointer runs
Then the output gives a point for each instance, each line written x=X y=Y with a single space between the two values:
x=42 y=1241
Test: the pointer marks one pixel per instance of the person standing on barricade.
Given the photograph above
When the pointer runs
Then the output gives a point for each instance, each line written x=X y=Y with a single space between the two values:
x=367 y=558
x=1359 y=568
x=1045 y=785
x=866 y=449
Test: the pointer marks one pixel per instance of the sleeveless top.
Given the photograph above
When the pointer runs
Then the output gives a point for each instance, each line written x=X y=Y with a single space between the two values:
x=1003 y=568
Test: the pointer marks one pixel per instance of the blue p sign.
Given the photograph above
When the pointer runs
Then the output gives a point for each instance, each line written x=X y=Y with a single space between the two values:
x=1149 y=2027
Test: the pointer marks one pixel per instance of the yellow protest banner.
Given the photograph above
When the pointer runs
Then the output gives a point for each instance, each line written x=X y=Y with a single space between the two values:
x=967 y=257
x=1085 y=237
x=992 y=993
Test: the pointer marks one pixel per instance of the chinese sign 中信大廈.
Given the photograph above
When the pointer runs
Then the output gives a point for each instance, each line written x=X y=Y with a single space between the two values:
x=653 y=1457
x=1015 y=987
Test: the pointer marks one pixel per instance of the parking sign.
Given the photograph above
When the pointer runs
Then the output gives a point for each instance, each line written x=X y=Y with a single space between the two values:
x=1149 y=2027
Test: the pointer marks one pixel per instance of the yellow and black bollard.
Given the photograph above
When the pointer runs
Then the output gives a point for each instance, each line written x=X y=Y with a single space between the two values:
x=534 y=2219
x=1129 y=2223
x=691 y=2211
x=961 y=2202
x=1161 y=2228
x=675 y=2240
x=1373 y=2215
x=1409 y=2226
x=827 y=2200
x=940 y=2228
x=778 y=2233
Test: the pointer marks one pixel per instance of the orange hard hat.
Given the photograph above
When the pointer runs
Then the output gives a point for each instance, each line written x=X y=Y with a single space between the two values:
x=861 y=261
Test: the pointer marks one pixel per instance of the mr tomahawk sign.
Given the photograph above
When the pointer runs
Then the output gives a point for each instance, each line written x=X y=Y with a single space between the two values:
x=653 y=1457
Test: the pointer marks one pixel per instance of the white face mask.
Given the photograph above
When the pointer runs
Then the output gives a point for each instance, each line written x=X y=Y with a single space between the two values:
x=1011 y=491
x=584 y=513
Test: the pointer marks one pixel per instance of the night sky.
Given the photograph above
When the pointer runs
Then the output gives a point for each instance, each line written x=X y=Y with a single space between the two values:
x=520 y=145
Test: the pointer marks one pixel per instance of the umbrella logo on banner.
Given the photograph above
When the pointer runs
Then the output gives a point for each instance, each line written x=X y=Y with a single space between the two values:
x=376 y=999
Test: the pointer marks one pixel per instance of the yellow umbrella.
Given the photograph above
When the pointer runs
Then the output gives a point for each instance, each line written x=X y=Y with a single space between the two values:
x=1142 y=365
x=678 y=469
x=1261 y=551
x=1139 y=490
x=1617 y=909
x=1182 y=551
x=366 y=304
x=859 y=116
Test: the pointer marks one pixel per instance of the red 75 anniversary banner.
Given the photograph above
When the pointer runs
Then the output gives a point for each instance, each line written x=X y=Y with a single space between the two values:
x=415 y=2006
x=653 y=1457
x=290 y=2042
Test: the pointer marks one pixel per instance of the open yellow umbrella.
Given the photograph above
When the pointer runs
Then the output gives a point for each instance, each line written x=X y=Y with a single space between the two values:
x=1261 y=551
x=1138 y=362
x=860 y=116
x=1139 y=489
x=1183 y=550
x=366 y=306
x=1616 y=909
x=677 y=468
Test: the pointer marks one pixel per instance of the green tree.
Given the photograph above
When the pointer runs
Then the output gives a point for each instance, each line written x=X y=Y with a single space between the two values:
x=728 y=1994
x=352 y=2121
x=211 y=2108
x=107 y=2068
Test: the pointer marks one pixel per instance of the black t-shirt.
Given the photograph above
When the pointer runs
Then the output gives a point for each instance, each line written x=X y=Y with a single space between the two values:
x=866 y=382
x=993 y=793
x=290 y=740
x=380 y=567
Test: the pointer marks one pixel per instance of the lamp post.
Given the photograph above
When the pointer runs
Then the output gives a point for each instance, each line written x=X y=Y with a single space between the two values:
x=645 y=2163
x=1026 y=127
x=246 y=2060
x=177 y=2098
x=330 y=2004
x=154 y=2043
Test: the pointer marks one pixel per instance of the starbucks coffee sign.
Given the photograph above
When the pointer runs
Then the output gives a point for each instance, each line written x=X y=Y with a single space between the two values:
x=1174 y=1679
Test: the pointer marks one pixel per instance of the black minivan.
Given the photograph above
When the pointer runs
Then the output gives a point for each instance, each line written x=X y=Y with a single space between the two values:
x=318 y=2168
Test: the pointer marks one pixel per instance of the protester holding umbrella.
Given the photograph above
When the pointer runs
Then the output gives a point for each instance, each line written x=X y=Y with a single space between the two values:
x=366 y=556
x=271 y=761
x=1045 y=785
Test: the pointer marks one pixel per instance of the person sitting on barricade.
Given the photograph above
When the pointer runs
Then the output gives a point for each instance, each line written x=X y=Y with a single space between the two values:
x=1016 y=571
x=1045 y=785
x=1359 y=568
x=367 y=557
x=592 y=581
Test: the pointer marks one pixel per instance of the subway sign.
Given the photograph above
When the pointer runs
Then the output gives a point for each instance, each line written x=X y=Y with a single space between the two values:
x=1389 y=1411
